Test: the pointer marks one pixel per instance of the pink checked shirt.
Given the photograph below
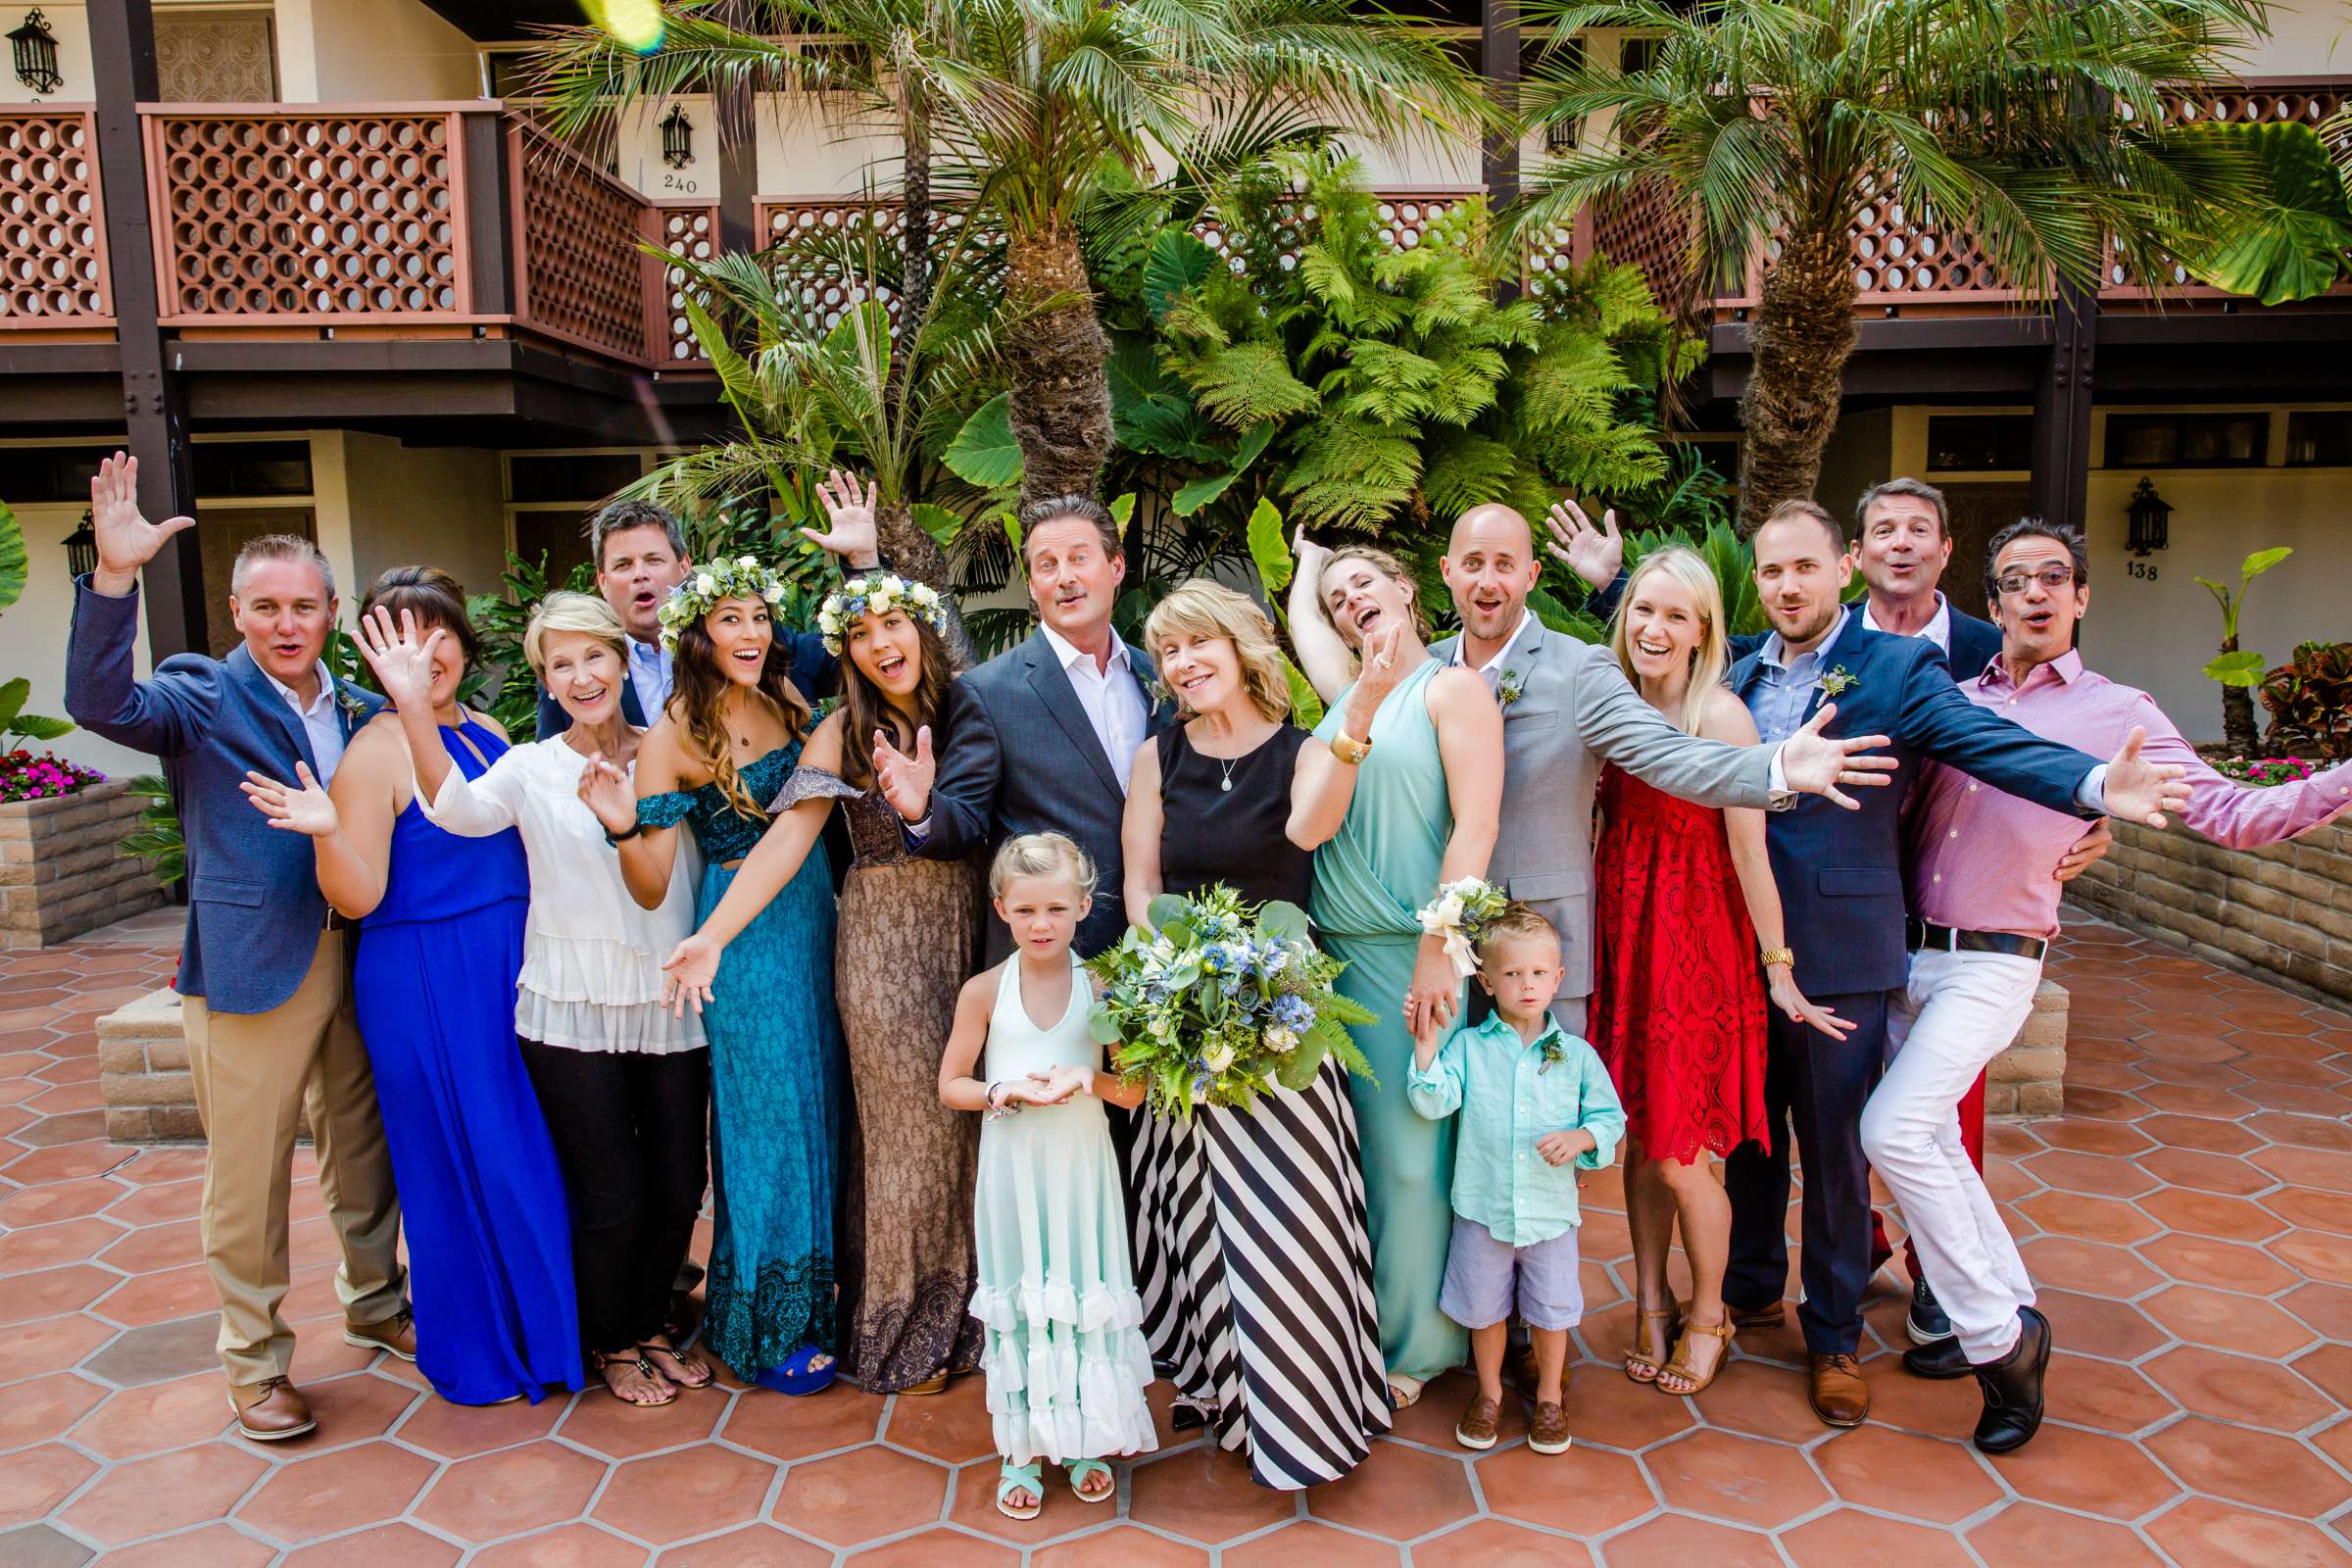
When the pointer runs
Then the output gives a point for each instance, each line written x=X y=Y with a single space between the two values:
x=1981 y=861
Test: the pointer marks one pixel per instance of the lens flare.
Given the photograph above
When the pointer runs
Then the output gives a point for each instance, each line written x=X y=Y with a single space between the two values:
x=632 y=24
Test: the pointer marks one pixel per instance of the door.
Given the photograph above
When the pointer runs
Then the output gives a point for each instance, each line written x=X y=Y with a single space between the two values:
x=1976 y=513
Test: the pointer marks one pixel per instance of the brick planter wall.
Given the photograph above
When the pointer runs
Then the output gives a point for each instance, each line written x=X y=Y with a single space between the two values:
x=143 y=1072
x=2282 y=914
x=59 y=874
x=2029 y=1079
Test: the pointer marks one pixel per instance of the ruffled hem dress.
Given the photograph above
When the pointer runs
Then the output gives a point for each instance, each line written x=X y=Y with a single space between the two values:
x=1062 y=1340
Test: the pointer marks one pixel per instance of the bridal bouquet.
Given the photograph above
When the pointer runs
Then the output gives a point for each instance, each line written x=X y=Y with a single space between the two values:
x=1222 y=1000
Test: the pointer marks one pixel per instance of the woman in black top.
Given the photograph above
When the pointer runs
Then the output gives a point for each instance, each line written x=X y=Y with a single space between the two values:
x=1251 y=1248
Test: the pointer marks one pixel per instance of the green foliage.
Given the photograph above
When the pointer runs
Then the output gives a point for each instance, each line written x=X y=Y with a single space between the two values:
x=503 y=685
x=157 y=840
x=984 y=452
x=13 y=560
x=18 y=725
x=2309 y=701
x=2232 y=601
x=2292 y=246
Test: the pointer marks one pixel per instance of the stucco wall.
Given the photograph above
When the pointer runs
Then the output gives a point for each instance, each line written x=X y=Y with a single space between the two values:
x=371 y=51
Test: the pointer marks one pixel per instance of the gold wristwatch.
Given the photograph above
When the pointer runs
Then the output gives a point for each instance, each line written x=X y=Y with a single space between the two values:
x=1772 y=956
x=1348 y=749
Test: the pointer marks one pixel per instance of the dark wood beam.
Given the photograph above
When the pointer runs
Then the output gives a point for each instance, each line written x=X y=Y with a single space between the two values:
x=1499 y=62
x=122 y=68
x=2063 y=391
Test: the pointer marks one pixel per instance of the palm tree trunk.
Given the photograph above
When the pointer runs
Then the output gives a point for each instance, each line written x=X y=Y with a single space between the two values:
x=2237 y=713
x=1054 y=357
x=914 y=286
x=1802 y=335
x=909 y=546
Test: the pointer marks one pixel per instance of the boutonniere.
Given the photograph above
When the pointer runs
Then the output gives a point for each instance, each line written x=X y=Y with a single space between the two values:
x=1511 y=687
x=1553 y=1052
x=1160 y=694
x=1838 y=682
x=349 y=700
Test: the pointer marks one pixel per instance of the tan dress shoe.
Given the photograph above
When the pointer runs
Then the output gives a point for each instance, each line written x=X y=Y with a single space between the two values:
x=1840 y=1397
x=271 y=1411
x=1762 y=1317
x=396 y=1334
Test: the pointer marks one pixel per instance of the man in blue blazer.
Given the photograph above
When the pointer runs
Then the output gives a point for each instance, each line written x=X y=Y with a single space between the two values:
x=1840 y=879
x=266 y=966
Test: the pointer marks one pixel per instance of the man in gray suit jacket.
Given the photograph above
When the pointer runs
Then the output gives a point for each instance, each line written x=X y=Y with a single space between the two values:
x=1567 y=708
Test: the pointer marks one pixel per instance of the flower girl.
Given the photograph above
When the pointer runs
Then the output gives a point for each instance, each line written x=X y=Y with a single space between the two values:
x=1066 y=1359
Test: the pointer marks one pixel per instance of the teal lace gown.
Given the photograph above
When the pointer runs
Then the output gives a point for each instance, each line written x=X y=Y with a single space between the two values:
x=777 y=1066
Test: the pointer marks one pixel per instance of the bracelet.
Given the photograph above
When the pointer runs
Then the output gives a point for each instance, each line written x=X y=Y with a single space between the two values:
x=1772 y=956
x=614 y=838
x=1348 y=749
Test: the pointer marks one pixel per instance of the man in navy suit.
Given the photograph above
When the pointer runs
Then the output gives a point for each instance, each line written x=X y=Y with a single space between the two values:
x=264 y=971
x=1840 y=881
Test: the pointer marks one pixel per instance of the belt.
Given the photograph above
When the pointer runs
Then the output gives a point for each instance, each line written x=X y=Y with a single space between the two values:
x=1918 y=935
x=337 y=920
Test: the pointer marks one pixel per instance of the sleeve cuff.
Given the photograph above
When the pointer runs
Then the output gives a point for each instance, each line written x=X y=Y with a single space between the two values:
x=2091 y=793
x=1776 y=782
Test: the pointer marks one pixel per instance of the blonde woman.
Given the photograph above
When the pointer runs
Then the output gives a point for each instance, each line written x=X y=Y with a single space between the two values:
x=1251 y=1243
x=1684 y=897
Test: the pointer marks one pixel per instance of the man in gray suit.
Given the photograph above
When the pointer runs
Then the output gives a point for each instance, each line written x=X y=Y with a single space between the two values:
x=1567 y=708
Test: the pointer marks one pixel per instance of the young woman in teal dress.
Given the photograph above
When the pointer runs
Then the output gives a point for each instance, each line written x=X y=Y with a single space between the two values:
x=1428 y=795
x=718 y=760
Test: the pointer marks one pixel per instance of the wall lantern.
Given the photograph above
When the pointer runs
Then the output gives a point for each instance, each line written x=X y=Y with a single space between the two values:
x=81 y=548
x=2151 y=520
x=34 y=49
x=677 y=138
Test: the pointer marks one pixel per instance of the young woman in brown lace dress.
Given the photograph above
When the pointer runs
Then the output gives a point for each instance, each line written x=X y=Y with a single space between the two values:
x=908 y=931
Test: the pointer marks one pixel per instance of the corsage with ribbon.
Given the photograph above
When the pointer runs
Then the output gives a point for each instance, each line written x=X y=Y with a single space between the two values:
x=1456 y=914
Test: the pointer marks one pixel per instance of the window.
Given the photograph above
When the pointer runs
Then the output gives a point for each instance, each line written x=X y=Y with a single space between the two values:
x=48 y=474
x=253 y=468
x=2187 y=440
x=1637 y=54
x=1980 y=443
x=2319 y=440
x=551 y=498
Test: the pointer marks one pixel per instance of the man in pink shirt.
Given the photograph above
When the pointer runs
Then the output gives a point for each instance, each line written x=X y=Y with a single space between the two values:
x=1983 y=907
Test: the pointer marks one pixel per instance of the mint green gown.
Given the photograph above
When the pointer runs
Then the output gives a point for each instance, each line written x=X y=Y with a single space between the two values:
x=1370 y=879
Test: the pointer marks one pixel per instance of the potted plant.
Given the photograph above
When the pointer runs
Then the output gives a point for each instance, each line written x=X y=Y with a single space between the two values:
x=2239 y=671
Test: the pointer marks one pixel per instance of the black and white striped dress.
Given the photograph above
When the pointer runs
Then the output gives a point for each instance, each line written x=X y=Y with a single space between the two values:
x=1252 y=1255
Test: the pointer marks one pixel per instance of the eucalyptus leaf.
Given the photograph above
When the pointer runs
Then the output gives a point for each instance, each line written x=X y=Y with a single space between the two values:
x=1166 y=910
x=1279 y=918
x=1099 y=1024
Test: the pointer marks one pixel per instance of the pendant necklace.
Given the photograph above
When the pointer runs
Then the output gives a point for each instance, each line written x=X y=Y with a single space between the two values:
x=1227 y=765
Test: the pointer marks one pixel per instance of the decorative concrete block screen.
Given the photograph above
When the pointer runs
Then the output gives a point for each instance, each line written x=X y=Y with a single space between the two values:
x=52 y=227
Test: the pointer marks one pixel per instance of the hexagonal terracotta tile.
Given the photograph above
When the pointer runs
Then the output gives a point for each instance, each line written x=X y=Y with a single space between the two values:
x=973 y=1506
x=760 y=1545
x=1920 y=1478
x=72 y=1241
x=2211 y=1173
x=2225 y=1265
x=2320 y=1254
x=51 y=1291
x=337 y=1492
x=856 y=1496
x=2313 y=1210
x=2088 y=1471
x=168 y=1491
x=58 y=1200
x=1586 y=1490
x=2106 y=1394
x=1677 y=1539
x=1122 y=1544
x=458 y=1430
x=40 y=1409
x=952 y=1425
x=2208 y=1133
x=1735 y=1478
x=2203 y=1531
x=2255 y=1392
x=1844 y=1536
x=604 y=1424
x=2226 y=1321
x=1204 y=1494
x=511 y=1491
x=403 y=1545
x=1310 y=1541
x=36 y=1480
x=692 y=1491
x=2097 y=1326
x=1401 y=1492
x=2245 y=1466
x=935 y=1547
x=2026 y=1534
x=2062 y=1262
x=2092 y=1219
x=794 y=1429
x=2094 y=1174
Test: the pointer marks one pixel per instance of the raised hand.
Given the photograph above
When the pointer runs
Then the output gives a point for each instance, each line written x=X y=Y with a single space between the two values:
x=1814 y=763
x=1592 y=554
x=605 y=790
x=126 y=540
x=906 y=781
x=852 y=534
x=402 y=661
x=304 y=810
x=2085 y=851
x=1781 y=986
x=688 y=972
x=1309 y=557
x=2140 y=791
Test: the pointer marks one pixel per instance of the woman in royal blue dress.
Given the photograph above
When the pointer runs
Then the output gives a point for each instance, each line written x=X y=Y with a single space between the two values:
x=720 y=760
x=441 y=933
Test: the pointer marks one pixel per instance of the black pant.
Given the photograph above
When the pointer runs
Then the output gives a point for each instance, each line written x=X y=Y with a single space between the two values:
x=632 y=1133
x=1820 y=1084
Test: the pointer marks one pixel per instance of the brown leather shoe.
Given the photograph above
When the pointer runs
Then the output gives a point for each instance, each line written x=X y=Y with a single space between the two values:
x=1840 y=1397
x=1547 y=1433
x=1762 y=1317
x=396 y=1334
x=271 y=1411
x=1479 y=1423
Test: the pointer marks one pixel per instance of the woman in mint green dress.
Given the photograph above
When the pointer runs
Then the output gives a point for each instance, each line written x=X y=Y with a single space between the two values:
x=1427 y=798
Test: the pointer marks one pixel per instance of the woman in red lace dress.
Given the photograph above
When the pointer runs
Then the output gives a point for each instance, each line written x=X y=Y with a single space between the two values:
x=1684 y=894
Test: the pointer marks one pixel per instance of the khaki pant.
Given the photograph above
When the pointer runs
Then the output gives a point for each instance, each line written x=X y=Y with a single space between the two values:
x=252 y=1072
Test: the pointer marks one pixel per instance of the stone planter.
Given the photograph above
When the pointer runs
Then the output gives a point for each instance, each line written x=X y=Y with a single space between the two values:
x=143 y=1073
x=2029 y=1079
x=2281 y=914
x=59 y=874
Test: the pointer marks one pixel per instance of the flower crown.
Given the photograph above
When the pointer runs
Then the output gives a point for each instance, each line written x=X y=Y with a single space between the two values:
x=877 y=593
x=743 y=577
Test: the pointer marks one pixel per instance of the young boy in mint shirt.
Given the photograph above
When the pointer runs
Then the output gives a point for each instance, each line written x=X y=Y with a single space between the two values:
x=1537 y=1107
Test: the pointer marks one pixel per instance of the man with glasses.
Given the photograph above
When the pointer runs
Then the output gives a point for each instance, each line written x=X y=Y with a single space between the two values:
x=1983 y=907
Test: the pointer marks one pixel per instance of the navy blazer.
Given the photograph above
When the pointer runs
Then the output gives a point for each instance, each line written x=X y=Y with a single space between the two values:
x=815 y=674
x=1020 y=707
x=1841 y=873
x=254 y=905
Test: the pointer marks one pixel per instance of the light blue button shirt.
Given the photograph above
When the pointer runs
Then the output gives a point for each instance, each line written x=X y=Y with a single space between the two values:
x=1512 y=1094
x=649 y=673
x=1785 y=686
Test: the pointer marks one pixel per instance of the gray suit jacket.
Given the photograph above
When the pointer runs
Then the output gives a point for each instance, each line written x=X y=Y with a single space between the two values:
x=1575 y=711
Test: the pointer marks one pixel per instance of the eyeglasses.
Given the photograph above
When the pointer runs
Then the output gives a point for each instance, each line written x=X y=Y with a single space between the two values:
x=2051 y=578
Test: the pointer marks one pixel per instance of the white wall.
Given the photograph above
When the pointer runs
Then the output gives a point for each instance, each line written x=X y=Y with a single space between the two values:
x=801 y=152
x=2308 y=37
x=34 y=633
x=371 y=51
x=71 y=26
x=437 y=505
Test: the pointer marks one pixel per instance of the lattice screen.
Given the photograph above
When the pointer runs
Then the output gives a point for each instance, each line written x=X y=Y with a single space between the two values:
x=583 y=275
x=52 y=234
x=685 y=232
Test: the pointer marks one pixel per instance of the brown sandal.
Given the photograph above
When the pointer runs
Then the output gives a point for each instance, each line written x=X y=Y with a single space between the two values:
x=635 y=1359
x=693 y=1371
x=1639 y=1364
x=1680 y=1366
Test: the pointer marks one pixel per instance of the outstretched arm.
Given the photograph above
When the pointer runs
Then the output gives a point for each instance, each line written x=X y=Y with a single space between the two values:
x=168 y=714
x=1322 y=656
x=2243 y=815
x=1322 y=787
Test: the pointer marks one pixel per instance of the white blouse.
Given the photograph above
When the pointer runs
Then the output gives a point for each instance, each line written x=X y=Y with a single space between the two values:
x=592 y=956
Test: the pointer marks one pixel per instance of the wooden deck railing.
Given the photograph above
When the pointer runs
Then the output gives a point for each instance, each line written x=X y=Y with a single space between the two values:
x=53 y=263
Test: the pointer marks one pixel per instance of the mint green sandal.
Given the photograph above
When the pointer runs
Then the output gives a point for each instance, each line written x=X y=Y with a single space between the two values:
x=1081 y=1470
x=1010 y=1476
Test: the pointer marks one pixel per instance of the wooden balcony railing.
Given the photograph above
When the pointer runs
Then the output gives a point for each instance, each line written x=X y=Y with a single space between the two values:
x=53 y=264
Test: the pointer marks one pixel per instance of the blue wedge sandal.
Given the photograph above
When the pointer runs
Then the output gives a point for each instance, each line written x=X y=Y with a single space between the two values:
x=797 y=1373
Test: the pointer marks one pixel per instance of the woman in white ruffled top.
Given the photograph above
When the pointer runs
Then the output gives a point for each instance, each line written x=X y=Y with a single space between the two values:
x=625 y=1085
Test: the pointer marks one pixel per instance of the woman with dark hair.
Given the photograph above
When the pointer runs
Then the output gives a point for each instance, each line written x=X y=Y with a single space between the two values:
x=718 y=760
x=908 y=931
x=441 y=940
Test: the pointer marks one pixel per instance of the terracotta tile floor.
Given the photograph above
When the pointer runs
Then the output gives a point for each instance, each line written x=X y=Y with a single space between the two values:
x=2190 y=1220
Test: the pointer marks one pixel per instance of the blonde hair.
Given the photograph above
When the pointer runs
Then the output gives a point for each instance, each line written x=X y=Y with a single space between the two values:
x=1200 y=608
x=1517 y=919
x=1712 y=656
x=1041 y=855
x=566 y=611
x=1388 y=566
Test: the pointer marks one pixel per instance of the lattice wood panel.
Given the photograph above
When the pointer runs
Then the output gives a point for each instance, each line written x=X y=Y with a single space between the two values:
x=583 y=277
x=52 y=229
x=1401 y=219
x=308 y=216
x=691 y=232
x=1642 y=229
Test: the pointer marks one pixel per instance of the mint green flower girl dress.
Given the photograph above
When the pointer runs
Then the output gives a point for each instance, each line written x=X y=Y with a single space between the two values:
x=1064 y=1352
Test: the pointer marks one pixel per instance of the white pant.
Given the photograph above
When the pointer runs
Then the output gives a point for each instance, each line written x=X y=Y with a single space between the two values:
x=1956 y=1013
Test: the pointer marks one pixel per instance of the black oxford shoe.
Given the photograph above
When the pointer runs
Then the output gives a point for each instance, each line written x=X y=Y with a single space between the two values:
x=2013 y=1387
x=1941 y=1359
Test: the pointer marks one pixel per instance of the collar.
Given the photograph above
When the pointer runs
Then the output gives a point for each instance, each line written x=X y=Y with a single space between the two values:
x=1496 y=1026
x=1775 y=652
x=1937 y=630
x=1066 y=653
x=2065 y=669
x=323 y=700
x=1461 y=646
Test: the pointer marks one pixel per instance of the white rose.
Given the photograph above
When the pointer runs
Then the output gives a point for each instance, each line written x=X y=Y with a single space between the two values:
x=1217 y=1057
x=1280 y=1041
x=747 y=562
x=704 y=583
